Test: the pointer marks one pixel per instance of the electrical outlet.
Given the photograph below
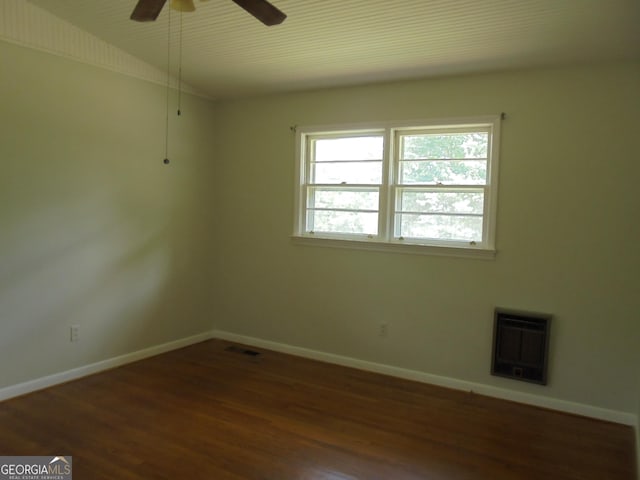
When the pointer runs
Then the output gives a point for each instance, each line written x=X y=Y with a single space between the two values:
x=74 y=333
x=383 y=329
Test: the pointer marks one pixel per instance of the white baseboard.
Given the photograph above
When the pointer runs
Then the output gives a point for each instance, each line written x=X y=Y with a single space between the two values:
x=488 y=390
x=75 y=373
x=491 y=391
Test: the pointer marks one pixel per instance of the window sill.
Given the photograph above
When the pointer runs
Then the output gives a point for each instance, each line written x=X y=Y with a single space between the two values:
x=413 y=249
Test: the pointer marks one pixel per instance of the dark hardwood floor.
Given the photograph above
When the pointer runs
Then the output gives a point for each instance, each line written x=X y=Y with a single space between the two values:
x=204 y=412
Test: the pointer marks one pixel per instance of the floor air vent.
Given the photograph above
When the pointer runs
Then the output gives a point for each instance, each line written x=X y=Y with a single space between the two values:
x=521 y=345
x=243 y=351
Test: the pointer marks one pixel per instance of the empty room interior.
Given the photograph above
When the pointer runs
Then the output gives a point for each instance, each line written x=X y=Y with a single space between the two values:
x=321 y=239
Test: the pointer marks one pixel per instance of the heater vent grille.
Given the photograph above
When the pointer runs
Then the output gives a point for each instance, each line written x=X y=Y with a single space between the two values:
x=521 y=345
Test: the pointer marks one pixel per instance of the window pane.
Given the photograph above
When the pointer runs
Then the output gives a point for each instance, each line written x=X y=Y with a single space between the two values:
x=342 y=222
x=452 y=172
x=445 y=145
x=440 y=227
x=441 y=202
x=348 y=172
x=346 y=199
x=348 y=149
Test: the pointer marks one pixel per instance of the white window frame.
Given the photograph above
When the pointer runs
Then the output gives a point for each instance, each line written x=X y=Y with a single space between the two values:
x=385 y=240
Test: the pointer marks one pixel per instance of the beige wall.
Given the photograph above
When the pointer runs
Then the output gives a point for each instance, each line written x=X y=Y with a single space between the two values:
x=567 y=234
x=94 y=229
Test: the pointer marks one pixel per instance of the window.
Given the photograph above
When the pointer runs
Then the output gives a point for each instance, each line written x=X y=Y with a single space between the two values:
x=424 y=188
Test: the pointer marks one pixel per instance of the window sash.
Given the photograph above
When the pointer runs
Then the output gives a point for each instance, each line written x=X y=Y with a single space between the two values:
x=339 y=173
x=479 y=168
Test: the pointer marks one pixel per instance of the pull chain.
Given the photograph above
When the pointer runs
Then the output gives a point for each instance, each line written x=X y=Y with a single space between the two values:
x=166 y=126
x=180 y=67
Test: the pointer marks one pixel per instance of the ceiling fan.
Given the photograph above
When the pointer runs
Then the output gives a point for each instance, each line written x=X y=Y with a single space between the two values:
x=148 y=10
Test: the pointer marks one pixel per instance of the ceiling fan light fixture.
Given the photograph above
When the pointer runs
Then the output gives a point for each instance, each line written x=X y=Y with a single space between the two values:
x=148 y=10
x=183 y=5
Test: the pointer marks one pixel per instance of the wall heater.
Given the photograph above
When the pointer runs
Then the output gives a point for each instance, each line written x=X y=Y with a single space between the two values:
x=521 y=345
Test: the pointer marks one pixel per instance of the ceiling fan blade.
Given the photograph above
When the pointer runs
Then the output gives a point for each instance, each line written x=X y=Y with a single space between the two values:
x=263 y=11
x=147 y=10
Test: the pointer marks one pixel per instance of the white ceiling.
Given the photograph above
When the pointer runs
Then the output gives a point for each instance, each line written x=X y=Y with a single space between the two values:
x=226 y=52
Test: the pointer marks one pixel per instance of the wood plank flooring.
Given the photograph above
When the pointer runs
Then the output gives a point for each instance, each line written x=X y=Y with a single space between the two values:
x=204 y=412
